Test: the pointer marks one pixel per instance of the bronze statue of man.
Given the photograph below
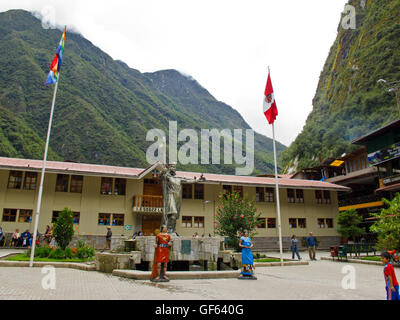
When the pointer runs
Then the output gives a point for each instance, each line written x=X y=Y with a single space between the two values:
x=172 y=194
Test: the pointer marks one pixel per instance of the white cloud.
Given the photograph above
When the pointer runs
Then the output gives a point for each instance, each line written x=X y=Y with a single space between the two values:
x=226 y=45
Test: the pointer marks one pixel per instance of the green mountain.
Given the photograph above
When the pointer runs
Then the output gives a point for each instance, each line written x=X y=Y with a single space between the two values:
x=104 y=108
x=349 y=102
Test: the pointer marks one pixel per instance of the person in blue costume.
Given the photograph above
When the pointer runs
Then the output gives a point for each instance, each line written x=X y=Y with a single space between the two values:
x=247 y=257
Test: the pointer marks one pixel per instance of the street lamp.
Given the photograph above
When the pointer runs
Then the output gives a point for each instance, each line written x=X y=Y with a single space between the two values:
x=393 y=86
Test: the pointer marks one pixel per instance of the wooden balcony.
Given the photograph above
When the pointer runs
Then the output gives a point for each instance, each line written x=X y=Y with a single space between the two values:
x=148 y=204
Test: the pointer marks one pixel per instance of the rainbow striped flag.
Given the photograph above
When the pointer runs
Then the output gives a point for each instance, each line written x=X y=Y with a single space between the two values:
x=56 y=64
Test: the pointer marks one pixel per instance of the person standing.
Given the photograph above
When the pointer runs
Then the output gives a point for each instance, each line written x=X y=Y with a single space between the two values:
x=107 y=245
x=391 y=284
x=48 y=234
x=247 y=257
x=311 y=243
x=294 y=248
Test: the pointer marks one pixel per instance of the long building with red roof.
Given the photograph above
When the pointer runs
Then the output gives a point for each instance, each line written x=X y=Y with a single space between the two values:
x=129 y=200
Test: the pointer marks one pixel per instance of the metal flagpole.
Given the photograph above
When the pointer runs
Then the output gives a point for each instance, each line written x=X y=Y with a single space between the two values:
x=39 y=202
x=278 y=208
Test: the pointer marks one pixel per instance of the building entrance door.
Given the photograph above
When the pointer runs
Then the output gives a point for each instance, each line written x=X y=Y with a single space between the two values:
x=150 y=224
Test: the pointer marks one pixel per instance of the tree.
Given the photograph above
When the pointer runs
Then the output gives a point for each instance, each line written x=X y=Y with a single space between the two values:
x=387 y=225
x=348 y=222
x=235 y=214
x=64 y=228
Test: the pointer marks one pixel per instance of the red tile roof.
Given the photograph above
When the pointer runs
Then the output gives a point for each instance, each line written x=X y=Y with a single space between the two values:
x=133 y=173
x=70 y=167
x=264 y=181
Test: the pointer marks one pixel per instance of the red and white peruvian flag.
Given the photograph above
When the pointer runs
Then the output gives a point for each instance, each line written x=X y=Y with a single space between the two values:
x=270 y=109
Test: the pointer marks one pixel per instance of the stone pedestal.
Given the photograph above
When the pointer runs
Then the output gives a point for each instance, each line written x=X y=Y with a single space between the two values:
x=183 y=248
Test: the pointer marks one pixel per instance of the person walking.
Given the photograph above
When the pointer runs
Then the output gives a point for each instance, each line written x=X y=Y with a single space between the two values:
x=311 y=243
x=107 y=245
x=294 y=248
x=391 y=284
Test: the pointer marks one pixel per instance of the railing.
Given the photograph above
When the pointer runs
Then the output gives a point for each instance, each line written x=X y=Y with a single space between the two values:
x=359 y=200
x=150 y=204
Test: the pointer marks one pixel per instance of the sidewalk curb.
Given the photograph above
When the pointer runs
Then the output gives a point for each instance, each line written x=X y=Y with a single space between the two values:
x=278 y=264
x=350 y=260
x=39 y=264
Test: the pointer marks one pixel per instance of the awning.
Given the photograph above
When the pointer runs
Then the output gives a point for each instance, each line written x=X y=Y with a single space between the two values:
x=389 y=188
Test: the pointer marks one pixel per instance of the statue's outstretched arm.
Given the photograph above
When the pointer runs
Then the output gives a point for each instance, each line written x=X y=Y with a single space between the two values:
x=194 y=180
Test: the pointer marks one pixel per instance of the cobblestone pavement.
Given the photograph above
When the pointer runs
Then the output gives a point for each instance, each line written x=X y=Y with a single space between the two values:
x=319 y=280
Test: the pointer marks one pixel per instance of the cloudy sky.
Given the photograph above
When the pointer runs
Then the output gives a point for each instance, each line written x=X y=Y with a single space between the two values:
x=226 y=45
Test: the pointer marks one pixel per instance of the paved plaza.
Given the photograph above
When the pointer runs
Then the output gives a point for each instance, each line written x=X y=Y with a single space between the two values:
x=318 y=280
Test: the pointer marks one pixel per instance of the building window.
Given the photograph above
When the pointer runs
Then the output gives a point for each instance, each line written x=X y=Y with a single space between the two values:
x=115 y=186
x=30 y=180
x=271 y=223
x=62 y=183
x=269 y=194
x=25 y=215
x=290 y=195
x=9 y=215
x=199 y=191
x=118 y=219
x=187 y=191
x=15 y=180
x=76 y=184
x=302 y=223
x=329 y=223
x=120 y=187
x=327 y=197
x=54 y=217
x=104 y=219
x=292 y=223
x=226 y=189
x=260 y=194
x=299 y=196
x=321 y=223
x=318 y=196
x=106 y=186
x=76 y=216
x=186 y=222
x=239 y=190
x=198 y=222
x=261 y=223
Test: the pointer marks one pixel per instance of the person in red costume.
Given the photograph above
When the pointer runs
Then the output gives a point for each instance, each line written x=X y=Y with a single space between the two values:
x=161 y=254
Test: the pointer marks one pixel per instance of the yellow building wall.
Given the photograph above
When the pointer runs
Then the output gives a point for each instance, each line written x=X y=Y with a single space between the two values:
x=90 y=203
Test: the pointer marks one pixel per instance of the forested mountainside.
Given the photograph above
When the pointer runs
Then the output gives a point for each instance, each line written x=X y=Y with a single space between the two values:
x=104 y=108
x=349 y=102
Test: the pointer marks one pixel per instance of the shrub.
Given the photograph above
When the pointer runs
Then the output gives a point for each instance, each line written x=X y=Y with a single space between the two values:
x=68 y=253
x=64 y=228
x=42 y=252
x=234 y=215
x=85 y=252
x=57 y=253
x=387 y=225
x=348 y=222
